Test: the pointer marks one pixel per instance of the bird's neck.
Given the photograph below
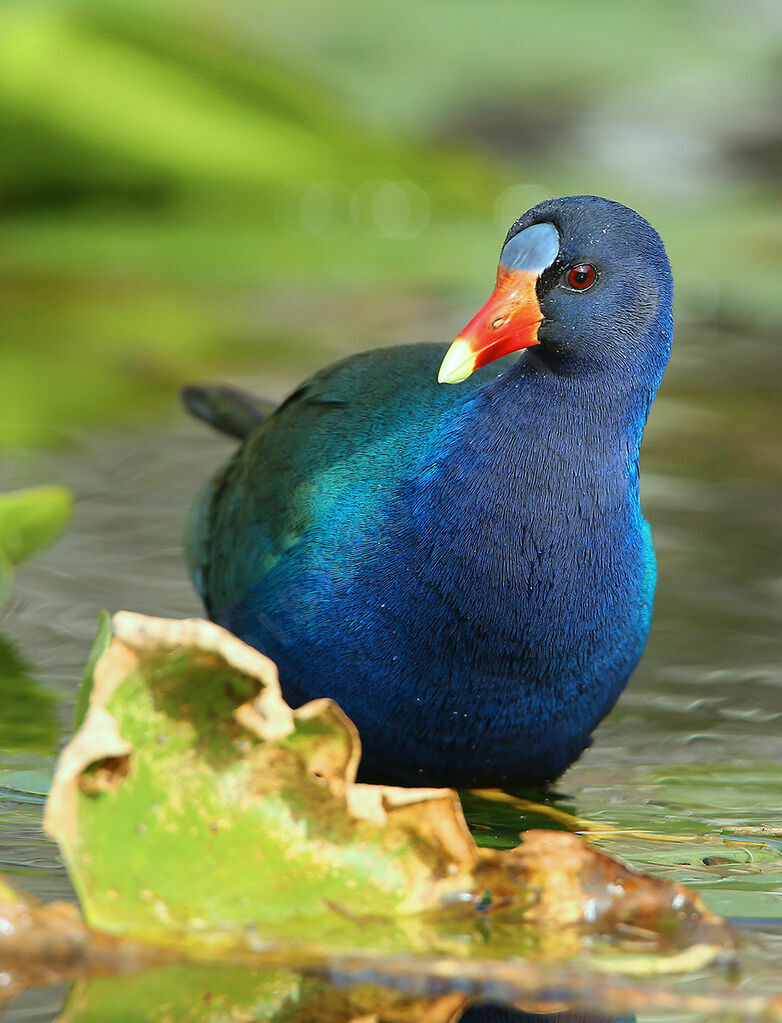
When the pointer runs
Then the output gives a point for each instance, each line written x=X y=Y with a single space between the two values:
x=577 y=424
x=527 y=503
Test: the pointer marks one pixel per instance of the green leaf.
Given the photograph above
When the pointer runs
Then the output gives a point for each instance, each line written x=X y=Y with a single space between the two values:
x=31 y=519
x=193 y=806
x=99 y=648
x=165 y=777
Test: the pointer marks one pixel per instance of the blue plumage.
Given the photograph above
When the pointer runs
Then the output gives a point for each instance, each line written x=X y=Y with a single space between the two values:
x=464 y=569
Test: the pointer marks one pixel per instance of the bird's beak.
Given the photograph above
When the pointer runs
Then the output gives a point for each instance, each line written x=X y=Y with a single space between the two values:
x=507 y=323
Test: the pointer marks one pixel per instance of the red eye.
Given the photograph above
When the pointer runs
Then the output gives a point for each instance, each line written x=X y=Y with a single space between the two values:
x=582 y=277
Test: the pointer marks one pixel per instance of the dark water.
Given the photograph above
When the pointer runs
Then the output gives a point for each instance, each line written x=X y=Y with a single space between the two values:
x=694 y=746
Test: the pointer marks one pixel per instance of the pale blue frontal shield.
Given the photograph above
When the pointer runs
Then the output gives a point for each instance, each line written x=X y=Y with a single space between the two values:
x=534 y=248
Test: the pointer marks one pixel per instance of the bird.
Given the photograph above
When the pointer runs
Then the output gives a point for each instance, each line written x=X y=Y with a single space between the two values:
x=447 y=540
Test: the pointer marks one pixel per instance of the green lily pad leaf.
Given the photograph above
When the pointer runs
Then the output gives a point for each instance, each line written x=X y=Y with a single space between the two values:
x=28 y=721
x=194 y=806
x=29 y=520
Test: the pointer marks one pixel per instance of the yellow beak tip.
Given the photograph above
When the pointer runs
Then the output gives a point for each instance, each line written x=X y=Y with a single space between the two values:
x=458 y=364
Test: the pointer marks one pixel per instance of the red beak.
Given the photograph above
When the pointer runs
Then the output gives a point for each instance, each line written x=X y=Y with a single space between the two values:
x=507 y=323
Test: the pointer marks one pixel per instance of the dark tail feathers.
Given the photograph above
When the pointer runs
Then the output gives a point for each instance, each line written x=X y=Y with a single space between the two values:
x=225 y=408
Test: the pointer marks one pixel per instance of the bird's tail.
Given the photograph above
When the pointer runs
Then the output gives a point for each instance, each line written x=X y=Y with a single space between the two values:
x=225 y=408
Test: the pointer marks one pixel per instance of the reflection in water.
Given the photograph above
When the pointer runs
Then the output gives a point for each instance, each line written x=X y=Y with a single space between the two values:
x=491 y=1013
x=213 y=994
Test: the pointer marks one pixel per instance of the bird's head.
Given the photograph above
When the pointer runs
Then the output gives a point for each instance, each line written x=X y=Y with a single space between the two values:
x=586 y=280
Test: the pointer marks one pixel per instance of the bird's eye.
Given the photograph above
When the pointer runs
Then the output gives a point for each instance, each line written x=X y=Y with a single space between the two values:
x=582 y=276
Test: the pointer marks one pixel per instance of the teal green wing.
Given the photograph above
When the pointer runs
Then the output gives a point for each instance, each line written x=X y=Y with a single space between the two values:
x=314 y=476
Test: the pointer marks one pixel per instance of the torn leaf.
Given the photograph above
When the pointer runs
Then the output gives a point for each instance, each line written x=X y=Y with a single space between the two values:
x=194 y=805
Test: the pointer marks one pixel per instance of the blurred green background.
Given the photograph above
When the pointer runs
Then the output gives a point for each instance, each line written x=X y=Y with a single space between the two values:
x=198 y=188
